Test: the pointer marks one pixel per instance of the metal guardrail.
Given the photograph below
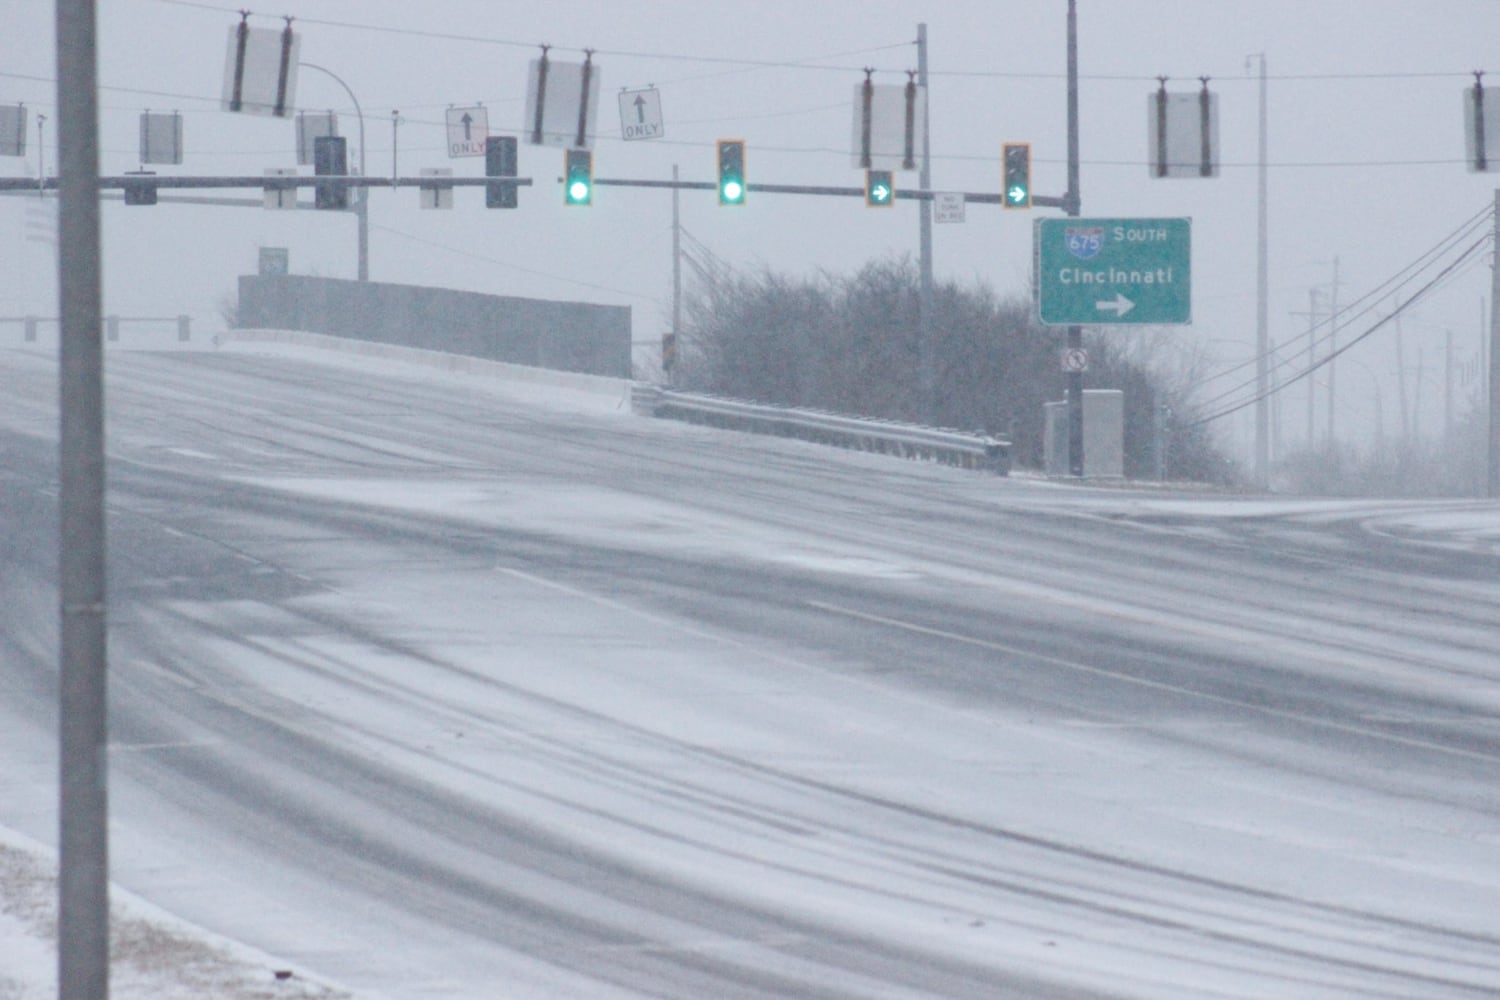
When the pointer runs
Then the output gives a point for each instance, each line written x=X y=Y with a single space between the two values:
x=30 y=325
x=973 y=451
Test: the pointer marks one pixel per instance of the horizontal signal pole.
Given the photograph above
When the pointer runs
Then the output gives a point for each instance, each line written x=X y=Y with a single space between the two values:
x=982 y=198
x=284 y=183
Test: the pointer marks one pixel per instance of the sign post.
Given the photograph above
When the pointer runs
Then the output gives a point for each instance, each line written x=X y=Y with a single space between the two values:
x=1113 y=271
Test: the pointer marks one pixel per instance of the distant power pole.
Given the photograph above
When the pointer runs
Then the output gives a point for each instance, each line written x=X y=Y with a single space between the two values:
x=926 y=348
x=1406 y=417
x=676 y=279
x=1262 y=335
x=1447 y=388
x=1493 y=452
x=1312 y=331
x=1333 y=347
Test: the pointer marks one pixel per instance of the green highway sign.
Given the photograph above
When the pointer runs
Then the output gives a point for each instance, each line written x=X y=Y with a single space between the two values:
x=1093 y=271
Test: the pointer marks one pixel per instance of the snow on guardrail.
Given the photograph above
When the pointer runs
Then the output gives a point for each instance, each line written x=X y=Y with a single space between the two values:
x=974 y=451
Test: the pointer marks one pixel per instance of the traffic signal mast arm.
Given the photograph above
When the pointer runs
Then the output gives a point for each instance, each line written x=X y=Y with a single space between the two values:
x=973 y=197
x=119 y=182
x=283 y=182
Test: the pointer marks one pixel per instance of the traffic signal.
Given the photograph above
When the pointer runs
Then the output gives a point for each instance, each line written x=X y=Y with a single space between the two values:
x=732 y=171
x=1017 y=156
x=880 y=188
x=578 y=177
x=139 y=190
x=500 y=161
x=330 y=159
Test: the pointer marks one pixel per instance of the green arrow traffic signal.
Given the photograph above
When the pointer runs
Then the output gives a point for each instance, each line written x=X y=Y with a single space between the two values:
x=880 y=188
x=1017 y=191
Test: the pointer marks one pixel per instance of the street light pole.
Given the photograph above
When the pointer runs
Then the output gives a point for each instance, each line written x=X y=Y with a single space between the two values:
x=362 y=202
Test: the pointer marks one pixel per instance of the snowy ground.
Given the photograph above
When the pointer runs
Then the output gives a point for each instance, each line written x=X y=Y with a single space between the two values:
x=154 y=956
x=159 y=956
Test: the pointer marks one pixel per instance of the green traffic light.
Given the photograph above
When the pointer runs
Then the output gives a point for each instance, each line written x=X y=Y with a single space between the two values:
x=1017 y=166
x=880 y=188
x=578 y=185
x=731 y=171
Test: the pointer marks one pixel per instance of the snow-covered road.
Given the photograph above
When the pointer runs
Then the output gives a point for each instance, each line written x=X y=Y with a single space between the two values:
x=434 y=687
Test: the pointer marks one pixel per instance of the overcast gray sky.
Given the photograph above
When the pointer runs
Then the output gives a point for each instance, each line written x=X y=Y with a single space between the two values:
x=1366 y=146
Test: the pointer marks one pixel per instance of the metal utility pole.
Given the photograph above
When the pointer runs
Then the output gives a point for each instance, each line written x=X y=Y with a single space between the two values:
x=83 y=835
x=41 y=150
x=1447 y=388
x=926 y=349
x=1333 y=348
x=1262 y=337
x=395 y=147
x=1276 y=449
x=676 y=273
x=1406 y=421
x=1072 y=206
x=1493 y=452
x=1312 y=380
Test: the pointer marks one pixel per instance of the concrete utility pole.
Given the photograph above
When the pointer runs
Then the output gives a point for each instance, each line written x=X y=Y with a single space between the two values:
x=83 y=834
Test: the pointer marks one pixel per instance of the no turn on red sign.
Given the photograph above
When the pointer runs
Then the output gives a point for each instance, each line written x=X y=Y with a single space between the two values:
x=1075 y=359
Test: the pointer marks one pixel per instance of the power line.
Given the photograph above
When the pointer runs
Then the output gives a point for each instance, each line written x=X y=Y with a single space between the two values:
x=1466 y=257
x=815 y=62
x=809 y=62
x=509 y=266
x=1362 y=305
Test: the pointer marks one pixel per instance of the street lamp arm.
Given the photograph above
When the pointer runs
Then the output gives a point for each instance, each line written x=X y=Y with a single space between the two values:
x=362 y=202
x=358 y=113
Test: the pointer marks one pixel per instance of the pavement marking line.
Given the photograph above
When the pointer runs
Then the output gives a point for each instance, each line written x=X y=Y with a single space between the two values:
x=1310 y=720
x=180 y=745
x=612 y=604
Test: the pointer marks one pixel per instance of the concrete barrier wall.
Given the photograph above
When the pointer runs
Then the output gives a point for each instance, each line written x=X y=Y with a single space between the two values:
x=617 y=390
x=567 y=336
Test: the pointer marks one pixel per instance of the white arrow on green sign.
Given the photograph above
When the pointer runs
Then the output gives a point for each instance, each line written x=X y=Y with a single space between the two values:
x=1093 y=271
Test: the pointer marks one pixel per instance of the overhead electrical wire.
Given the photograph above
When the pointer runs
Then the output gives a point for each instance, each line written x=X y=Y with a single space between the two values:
x=1357 y=308
x=814 y=62
x=1354 y=311
x=506 y=264
x=1466 y=257
x=809 y=62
